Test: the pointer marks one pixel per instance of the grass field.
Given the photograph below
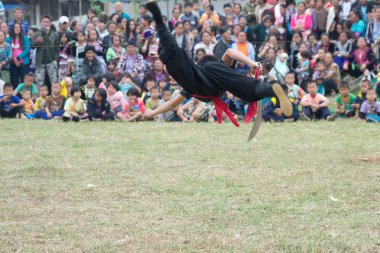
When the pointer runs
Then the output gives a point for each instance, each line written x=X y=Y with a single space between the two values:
x=113 y=187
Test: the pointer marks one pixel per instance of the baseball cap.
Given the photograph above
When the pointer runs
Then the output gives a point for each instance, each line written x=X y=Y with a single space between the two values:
x=63 y=19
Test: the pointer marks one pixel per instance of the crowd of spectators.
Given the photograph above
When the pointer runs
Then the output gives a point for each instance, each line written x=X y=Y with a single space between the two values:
x=108 y=67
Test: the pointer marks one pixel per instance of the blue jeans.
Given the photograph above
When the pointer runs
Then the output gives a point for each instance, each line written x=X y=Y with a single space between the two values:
x=43 y=114
x=372 y=118
x=18 y=74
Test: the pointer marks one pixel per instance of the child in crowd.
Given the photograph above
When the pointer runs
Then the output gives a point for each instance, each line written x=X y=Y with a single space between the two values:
x=116 y=100
x=10 y=104
x=304 y=70
x=344 y=101
x=195 y=111
x=41 y=100
x=170 y=115
x=75 y=108
x=272 y=111
x=154 y=101
x=107 y=78
x=370 y=109
x=126 y=83
x=315 y=105
x=88 y=90
x=295 y=92
x=236 y=106
x=53 y=105
x=28 y=112
x=361 y=97
x=319 y=75
x=28 y=84
x=134 y=108
x=112 y=67
x=66 y=85
x=98 y=107
x=149 y=83
x=163 y=84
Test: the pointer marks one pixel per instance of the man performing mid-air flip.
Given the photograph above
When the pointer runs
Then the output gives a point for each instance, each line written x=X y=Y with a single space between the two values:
x=210 y=79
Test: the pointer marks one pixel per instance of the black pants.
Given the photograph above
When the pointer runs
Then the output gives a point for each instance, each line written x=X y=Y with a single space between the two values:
x=5 y=113
x=213 y=79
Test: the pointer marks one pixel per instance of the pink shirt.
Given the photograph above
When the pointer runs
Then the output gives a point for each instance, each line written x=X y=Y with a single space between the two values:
x=116 y=100
x=304 y=20
x=136 y=107
x=16 y=49
x=316 y=100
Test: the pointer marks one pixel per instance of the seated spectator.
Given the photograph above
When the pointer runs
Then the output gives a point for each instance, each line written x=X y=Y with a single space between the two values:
x=315 y=105
x=301 y=21
x=195 y=111
x=10 y=104
x=111 y=66
x=154 y=101
x=133 y=63
x=358 y=25
x=343 y=49
x=224 y=43
x=98 y=107
x=304 y=70
x=88 y=90
x=20 y=54
x=319 y=75
x=149 y=83
x=171 y=115
x=182 y=39
x=246 y=48
x=28 y=112
x=116 y=100
x=116 y=51
x=91 y=66
x=149 y=49
x=236 y=106
x=93 y=40
x=199 y=54
x=271 y=42
x=5 y=58
x=107 y=40
x=326 y=44
x=362 y=96
x=235 y=32
x=101 y=28
x=130 y=32
x=361 y=60
x=344 y=101
x=370 y=109
x=373 y=27
x=206 y=44
x=272 y=111
x=158 y=72
x=295 y=92
x=40 y=104
x=314 y=44
x=134 y=108
x=243 y=23
x=106 y=79
x=280 y=68
x=126 y=83
x=332 y=79
x=75 y=108
x=53 y=105
x=28 y=84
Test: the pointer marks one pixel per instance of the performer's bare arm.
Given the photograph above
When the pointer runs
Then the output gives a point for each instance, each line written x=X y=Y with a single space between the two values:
x=232 y=55
x=165 y=107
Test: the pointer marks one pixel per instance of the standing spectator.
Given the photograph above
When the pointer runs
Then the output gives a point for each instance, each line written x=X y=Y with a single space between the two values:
x=236 y=13
x=90 y=14
x=262 y=30
x=361 y=60
x=261 y=8
x=224 y=42
x=373 y=28
x=130 y=32
x=364 y=7
x=206 y=43
x=346 y=8
x=101 y=28
x=116 y=51
x=211 y=16
x=243 y=23
x=5 y=58
x=332 y=79
x=18 y=17
x=118 y=7
x=175 y=19
x=79 y=55
x=20 y=54
x=93 y=40
x=319 y=16
x=121 y=25
x=75 y=27
x=46 y=41
x=64 y=26
x=133 y=63
x=112 y=27
x=189 y=16
x=91 y=66
x=358 y=25
x=66 y=56
x=301 y=21
x=182 y=39
x=4 y=27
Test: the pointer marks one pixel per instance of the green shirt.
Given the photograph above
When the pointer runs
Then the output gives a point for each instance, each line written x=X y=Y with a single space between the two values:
x=21 y=87
x=346 y=103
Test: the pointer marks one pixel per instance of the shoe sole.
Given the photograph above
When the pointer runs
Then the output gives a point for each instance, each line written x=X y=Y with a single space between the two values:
x=286 y=105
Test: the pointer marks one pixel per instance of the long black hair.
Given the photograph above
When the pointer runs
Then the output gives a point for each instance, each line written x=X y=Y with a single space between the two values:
x=127 y=31
x=21 y=35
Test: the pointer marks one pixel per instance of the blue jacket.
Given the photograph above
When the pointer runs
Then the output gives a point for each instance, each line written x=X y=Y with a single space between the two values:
x=24 y=26
x=25 y=53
